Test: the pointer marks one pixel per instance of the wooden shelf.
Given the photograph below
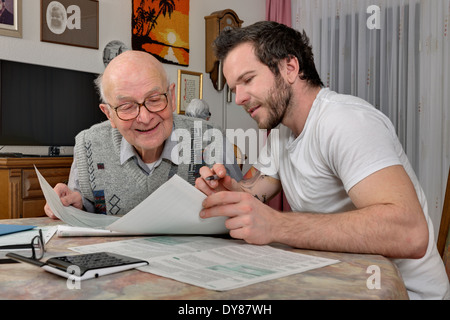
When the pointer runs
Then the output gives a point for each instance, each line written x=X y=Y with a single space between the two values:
x=20 y=192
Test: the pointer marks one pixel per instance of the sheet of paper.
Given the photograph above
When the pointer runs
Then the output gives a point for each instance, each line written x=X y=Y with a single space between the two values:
x=26 y=236
x=71 y=215
x=69 y=231
x=172 y=209
x=211 y=263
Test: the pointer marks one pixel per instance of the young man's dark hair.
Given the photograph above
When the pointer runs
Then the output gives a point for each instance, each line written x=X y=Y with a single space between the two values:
x=272 y=43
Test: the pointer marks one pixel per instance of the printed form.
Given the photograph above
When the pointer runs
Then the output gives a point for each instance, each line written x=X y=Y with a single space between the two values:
x=211 y=263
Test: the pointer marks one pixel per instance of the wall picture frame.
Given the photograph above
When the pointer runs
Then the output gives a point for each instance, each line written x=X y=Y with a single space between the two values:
x=190 y=86
x=70 y=22
x=11 y=18
x=161 y=28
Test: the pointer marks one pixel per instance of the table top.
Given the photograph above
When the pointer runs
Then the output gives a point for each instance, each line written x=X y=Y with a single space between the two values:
x=347 y=279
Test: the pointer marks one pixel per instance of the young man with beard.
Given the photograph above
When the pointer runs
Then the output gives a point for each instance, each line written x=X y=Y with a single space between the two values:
x=338 y=159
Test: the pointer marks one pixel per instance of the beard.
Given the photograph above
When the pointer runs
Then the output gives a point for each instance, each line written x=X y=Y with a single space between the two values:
x=277 y=103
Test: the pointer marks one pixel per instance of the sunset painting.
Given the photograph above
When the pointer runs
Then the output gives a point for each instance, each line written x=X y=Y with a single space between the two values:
x=161 y=27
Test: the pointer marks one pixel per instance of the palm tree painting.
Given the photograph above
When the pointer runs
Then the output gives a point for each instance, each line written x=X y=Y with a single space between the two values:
x=161 y=27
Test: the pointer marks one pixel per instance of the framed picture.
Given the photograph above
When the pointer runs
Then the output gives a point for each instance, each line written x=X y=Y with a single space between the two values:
x=11 y=18
x=70 y=22
x=162 y=29
x=190 y=86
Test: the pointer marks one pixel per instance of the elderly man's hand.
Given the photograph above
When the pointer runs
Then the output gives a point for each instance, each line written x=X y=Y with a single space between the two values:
x=68 y=198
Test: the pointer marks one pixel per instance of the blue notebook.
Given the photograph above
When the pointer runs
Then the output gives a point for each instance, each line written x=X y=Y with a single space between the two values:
x=13 y=228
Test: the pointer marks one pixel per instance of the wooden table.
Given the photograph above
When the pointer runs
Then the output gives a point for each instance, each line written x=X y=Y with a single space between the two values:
x=345 y=280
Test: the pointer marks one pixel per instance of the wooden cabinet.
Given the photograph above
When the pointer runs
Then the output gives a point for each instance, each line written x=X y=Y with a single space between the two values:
x=20 y=192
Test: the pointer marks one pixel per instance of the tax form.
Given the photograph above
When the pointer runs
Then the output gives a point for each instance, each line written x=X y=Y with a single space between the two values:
x=211 y=262
x=157 y=214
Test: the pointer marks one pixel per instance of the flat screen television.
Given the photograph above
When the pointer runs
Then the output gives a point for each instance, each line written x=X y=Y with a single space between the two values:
x=45 y=106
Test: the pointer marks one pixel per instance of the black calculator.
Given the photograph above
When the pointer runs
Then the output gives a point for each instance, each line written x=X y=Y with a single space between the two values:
x=85 y=266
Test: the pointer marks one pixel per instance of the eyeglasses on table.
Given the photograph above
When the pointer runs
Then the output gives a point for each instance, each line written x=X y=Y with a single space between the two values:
x=34 y=250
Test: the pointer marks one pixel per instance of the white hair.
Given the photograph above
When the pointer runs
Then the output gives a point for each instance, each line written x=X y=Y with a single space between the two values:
x=198 y=108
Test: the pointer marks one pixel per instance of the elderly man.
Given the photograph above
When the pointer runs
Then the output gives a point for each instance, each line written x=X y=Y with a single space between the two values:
x=344 y=172
x=119 y=162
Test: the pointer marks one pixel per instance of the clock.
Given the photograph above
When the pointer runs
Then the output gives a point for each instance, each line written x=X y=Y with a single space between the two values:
x=216 y=23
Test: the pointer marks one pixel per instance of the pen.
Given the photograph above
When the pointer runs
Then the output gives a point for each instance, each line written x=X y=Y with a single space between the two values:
x=213 y=177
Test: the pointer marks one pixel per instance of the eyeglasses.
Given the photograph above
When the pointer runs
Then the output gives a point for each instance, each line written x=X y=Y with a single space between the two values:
x=131 y=110
x=34 y=250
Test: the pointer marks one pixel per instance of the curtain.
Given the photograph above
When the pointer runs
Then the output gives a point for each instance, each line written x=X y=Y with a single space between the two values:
x=279 y=11
x=434 y=116
x=395 y=55
x=377 y=62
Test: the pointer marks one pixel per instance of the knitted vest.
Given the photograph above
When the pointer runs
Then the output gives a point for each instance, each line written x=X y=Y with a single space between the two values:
x=116 y=189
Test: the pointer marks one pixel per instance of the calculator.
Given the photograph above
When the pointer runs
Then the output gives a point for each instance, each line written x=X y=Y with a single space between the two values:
x=85 y=266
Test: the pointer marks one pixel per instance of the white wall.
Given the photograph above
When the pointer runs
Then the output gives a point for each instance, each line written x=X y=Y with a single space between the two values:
x=115 y=24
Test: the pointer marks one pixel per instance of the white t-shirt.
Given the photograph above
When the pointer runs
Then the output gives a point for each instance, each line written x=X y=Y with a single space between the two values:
x=345 y=139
